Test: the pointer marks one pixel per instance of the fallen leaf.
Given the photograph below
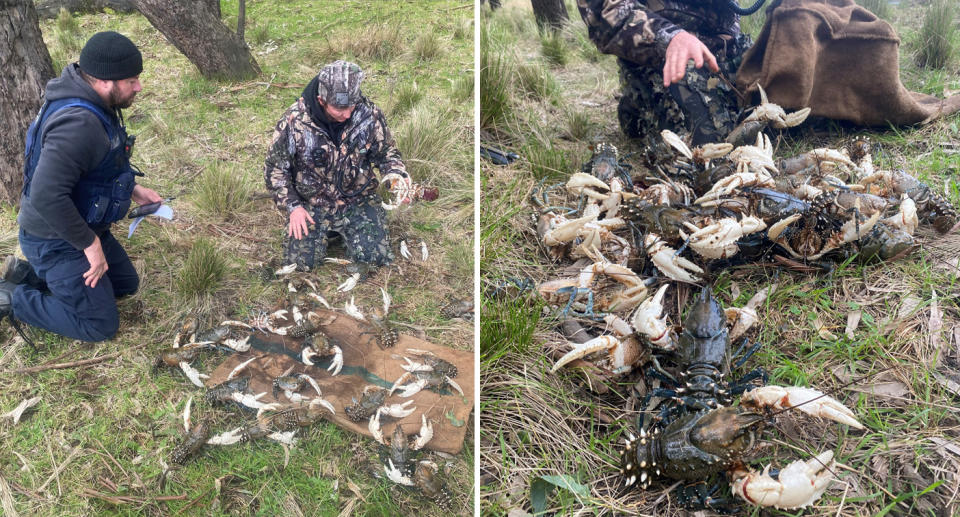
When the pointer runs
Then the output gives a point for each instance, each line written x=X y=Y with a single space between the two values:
x=947 y=383
x=935 y=322
x=17 y=412
x=518 y=512
x=853 y=321
x=907 y=307
x=822 y=330
x=945 y=444
x=891 y=390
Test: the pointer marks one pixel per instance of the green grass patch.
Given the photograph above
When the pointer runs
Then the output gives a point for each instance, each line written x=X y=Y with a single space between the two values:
x=222 y=191
x=535 y=81
x=554 y=49
x=202 y=270
x=937 y=36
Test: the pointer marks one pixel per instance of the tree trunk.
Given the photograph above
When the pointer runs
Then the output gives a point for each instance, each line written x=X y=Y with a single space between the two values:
x=26 y=70
x=199 y=34
x=214 y=6
x=241 y=18
x=550 y=13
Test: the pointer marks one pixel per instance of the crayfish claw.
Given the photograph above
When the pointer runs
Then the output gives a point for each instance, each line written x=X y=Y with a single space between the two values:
x=799 y=485
x=810 y=401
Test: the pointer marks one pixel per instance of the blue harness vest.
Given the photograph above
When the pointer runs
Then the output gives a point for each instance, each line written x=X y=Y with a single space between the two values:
x=102 y=195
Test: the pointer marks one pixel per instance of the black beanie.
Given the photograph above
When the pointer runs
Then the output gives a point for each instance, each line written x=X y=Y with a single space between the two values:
x=110 y=56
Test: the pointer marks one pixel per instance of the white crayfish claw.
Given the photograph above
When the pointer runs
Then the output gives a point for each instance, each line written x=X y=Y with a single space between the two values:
x=193 y=374
x=425 y=434
x=619 y=355
x=668 y=262
x=394 y=474
x=800 y=484
x=650 y=321
x=808 y=400
x=583 y=184
x=719 y=240
x=227 y=438
x=349 y=284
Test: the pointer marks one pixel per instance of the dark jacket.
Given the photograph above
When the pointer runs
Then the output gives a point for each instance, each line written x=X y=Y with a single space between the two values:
x=640 y=30
x=74 y=143
x=307 y=166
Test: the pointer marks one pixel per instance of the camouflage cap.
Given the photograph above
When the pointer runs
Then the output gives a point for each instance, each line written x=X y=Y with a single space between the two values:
x=338 y=83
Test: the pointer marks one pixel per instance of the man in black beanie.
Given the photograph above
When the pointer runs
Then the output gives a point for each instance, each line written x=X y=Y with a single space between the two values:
x=78 y=181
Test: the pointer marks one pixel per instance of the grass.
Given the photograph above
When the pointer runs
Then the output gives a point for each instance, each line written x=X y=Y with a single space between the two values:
x=202 y=270
x=891 y=367
x=405 y=97
x=881 y=8
x=554 y=48
x=495 y=93
x=204 y=143
x=535 y=81
x=222 y=192
x=937 y=36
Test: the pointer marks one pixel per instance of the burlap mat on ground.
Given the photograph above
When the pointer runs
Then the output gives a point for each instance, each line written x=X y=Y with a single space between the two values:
x=838 y=59
x=364 y=363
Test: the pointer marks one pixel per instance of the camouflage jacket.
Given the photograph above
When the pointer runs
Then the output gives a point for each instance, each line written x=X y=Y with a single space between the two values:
x=305 y=167
x=640 y=30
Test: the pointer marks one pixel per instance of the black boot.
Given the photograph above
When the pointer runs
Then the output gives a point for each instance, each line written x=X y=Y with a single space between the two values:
x=18 y=271
x=6 y=298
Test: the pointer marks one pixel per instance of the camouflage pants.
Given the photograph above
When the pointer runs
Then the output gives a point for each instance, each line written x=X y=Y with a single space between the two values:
x=701 y=104
x=362 y=225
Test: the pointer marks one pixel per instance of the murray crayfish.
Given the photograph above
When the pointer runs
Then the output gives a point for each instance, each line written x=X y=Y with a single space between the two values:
x=696 y=434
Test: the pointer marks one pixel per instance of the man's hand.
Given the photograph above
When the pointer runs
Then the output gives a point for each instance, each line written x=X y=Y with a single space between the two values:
x=144 y=196
x=298 y=228
x=98 y=263
x=682 y=48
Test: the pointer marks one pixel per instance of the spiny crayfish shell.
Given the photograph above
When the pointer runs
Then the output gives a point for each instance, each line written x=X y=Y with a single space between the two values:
x=193 y=443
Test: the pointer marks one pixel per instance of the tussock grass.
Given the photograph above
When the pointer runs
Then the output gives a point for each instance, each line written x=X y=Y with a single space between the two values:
x=752 y=24
x=405 y=96
x=68 y=38
x=890 y=368
x=579 y=125
x=881 y=8
x=222 y=191
x=374 y=42
x=535 y=81
x=427 y=137
x=202 y=270
x=427 y=46
x=554 y=49
x=258 y=34
x=495 y=98
x=937 y=36
x=461 y=89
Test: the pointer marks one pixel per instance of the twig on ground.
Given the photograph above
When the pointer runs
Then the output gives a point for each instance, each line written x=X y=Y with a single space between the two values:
x=58 y=469
x=6 y=499
x=60 y=366
x=193 y=502
x=127 y=499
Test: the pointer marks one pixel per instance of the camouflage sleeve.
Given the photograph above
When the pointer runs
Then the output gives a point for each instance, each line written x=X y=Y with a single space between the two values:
x=628 y=29
x=383 y=151
x=278 y=170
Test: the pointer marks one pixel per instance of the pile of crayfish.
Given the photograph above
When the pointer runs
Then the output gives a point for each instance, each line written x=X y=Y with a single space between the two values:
x=634 y=237
x=297 y=401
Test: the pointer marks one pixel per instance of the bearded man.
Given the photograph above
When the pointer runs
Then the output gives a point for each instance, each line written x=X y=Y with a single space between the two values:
x=77 y=182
